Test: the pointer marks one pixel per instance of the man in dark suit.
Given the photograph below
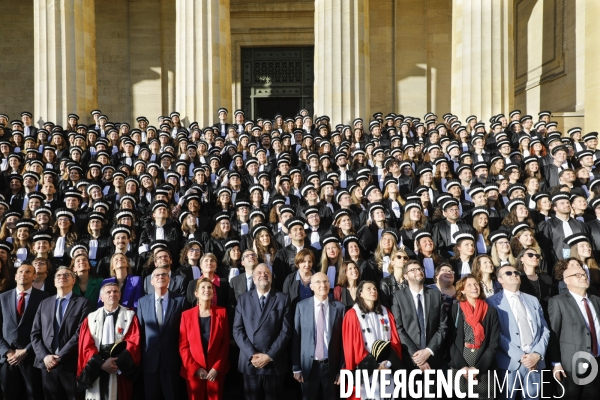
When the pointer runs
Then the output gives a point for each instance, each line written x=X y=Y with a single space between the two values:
x=317 y=355
x=55 y=335
x=262 y=329
x=160 y=338
x=421 y=320
x=574 y=330
x=162 y=259
x=18 y=376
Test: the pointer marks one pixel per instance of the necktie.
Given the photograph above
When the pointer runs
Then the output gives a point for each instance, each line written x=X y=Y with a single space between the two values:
x=421 y=318
x=262 y=302
x=59 y=314
x=252 y=287
x=521 y=317
x=592 y=328
x=320 y=349
x=159 y=311
x=21 y=306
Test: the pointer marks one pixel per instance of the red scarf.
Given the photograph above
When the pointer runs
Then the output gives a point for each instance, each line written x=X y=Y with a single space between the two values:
x=474 y=316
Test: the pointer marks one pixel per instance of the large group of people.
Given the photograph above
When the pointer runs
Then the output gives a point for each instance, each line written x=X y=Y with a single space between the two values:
x=259 y=259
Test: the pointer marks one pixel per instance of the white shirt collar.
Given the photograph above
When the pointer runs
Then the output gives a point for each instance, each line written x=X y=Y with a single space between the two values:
x=28 y=291
x=165 y=296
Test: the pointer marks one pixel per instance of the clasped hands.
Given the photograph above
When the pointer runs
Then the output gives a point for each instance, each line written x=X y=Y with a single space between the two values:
x=14 y=357
x=209 y=376
x=420 y=359
x=260 y=360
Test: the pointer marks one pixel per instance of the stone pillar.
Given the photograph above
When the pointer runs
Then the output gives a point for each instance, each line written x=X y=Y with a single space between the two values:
x=65 y=59
x=482 y=58
x=342 y=69
x=592 y=73
x=203 y=60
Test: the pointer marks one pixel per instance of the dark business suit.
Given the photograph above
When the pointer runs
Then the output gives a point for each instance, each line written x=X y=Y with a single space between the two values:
x=160 y=346
x=19 y=381
x=268 y=332
x=569 y=334
x=317 y=374
x=407 y=324
x=60 y=382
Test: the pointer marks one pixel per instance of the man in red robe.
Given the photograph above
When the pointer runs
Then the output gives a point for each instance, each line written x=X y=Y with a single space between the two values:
x=109 y=349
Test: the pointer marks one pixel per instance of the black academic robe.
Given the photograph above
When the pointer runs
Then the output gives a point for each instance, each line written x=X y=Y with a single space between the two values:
x=551 y=235
x=442 y=238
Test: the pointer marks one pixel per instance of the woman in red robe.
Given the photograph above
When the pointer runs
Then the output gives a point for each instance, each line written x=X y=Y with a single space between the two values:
x=366 y=322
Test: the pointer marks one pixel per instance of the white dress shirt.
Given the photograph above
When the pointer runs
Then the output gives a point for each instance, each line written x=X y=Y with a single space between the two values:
x=512 y=300
x=27 y=296
x=581 y=306
x=165 y=301
x=326 y=327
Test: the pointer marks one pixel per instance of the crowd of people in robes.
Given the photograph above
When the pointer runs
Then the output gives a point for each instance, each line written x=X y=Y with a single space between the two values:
x=259 y=258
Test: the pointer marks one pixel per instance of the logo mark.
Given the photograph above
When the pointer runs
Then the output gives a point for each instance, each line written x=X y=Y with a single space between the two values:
x=584 y=367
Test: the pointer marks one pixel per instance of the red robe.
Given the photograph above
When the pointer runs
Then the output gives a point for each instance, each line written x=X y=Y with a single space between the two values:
x=87 y=349
x=354 y=343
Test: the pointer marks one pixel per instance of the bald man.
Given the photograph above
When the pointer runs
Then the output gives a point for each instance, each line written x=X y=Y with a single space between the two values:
x=317 y=362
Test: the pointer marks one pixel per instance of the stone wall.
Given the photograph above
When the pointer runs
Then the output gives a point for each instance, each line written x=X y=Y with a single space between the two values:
x=16 y=58
x=550 y=59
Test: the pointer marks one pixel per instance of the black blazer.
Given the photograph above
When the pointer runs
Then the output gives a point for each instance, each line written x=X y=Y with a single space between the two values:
x=42 y=331
x=407 y=324
x=291 y=287
x=265 y=332
x=486 y=358
x=17 y=335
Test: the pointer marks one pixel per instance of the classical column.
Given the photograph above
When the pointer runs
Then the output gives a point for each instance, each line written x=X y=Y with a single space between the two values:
x=592 y=73
x=65 y=59
x=482 y=58
x=342 y=70
x=203 y=60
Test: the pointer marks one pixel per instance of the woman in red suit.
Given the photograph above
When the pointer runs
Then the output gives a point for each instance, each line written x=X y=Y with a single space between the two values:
x=204 y=345
x=366 y=322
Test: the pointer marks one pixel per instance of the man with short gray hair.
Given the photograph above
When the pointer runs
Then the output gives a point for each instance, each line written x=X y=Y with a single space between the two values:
x=55 y=335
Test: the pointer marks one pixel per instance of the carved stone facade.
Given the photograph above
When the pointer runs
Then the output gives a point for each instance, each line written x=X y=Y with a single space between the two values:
x=131 y=57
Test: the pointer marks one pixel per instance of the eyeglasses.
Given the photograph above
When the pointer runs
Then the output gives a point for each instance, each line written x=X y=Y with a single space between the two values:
x=504 y=243
x=510 y=273
x=578 y=276
x=62 y=276
x=445 y=271
x=194 y=250
x=402 y=258
x=532 y=255
x=163 y=256
x=415 y=270
x=251 y=255
x=163 y=275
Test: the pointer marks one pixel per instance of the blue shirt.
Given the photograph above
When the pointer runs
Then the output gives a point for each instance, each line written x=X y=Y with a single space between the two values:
x=64 y=304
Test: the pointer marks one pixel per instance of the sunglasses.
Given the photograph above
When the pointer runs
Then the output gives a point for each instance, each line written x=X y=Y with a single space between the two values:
x=510 y=273
x=405 y=258
x=532 y=255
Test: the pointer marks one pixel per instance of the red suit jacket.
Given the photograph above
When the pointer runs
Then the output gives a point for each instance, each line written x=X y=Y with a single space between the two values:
x=190 y=344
